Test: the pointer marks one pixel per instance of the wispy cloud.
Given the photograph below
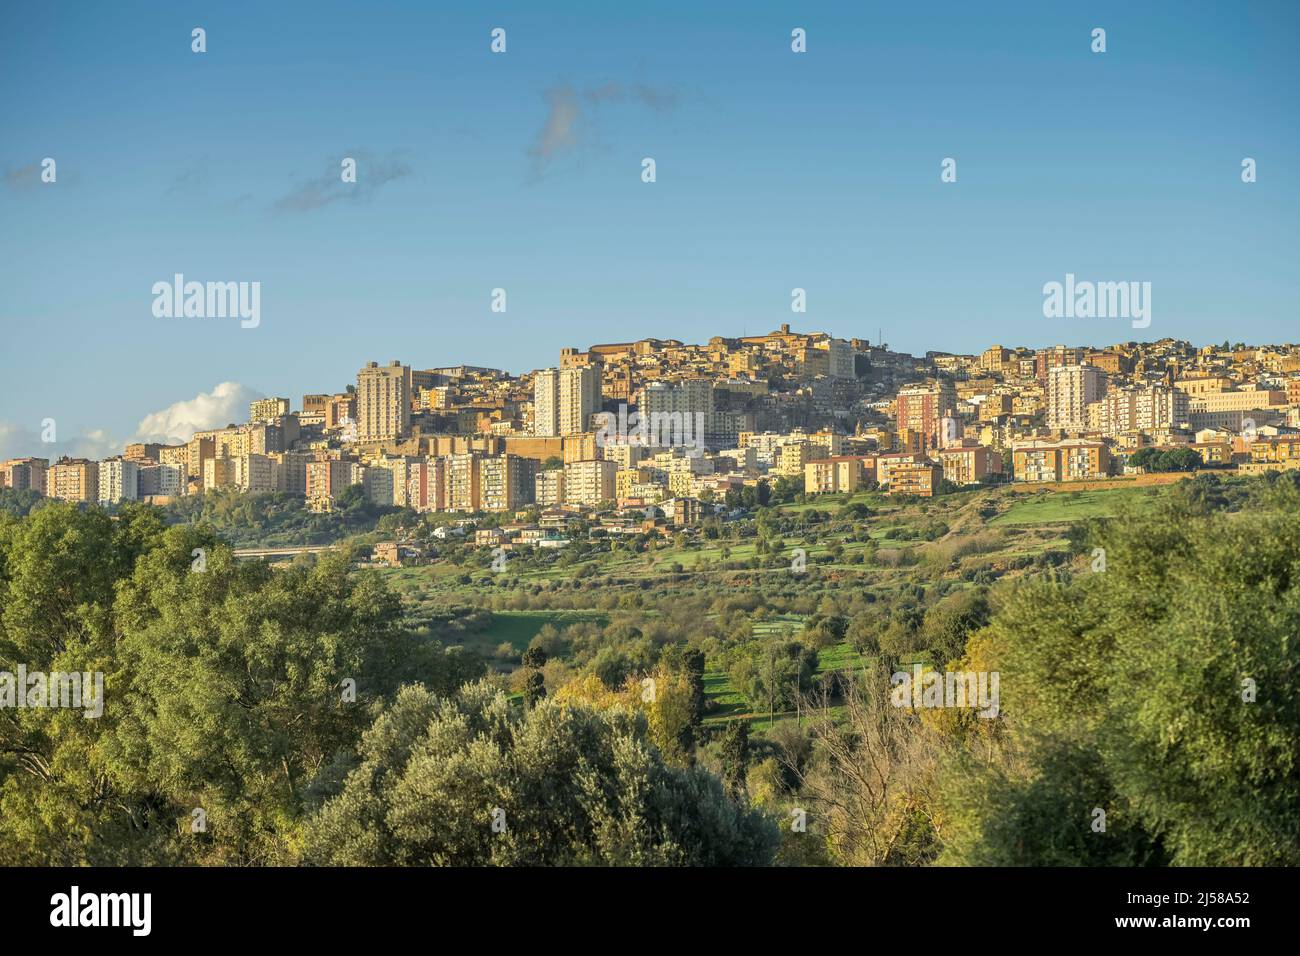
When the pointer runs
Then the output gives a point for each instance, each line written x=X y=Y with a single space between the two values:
x=24 y=177
x=191 y=179
x=373 y=172
x=572 y=116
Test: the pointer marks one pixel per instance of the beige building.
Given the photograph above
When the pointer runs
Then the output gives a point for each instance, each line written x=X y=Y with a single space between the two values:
x=463 y=482
x=589 y=483
x=256 y=474
x=1069 y=391
x=1138 y=409
x=267 y=409
x=549 y=487
x=916 y=478
x=832 y=475
x=564 y=400
x=218 y=473
x=25 y=473
x=1060 y=461
x=969 y=464
x=506 y=482
x=383 y=402
x=74 y=479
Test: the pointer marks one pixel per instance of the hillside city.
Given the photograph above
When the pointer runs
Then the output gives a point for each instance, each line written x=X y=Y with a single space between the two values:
x=816 y=413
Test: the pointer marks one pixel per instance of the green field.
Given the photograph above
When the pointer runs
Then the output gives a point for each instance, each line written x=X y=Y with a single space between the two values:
x=1055 y=507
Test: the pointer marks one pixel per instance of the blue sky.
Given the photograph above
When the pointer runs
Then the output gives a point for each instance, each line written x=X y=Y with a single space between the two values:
x=522 y=171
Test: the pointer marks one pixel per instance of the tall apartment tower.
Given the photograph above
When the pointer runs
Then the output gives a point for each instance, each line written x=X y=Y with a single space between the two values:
x=1070 y=389
x=579 y=398
x=383 y=401
x=565 y=399
x=546 y=403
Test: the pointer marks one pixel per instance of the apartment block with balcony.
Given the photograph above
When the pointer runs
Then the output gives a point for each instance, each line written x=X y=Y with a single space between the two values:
x=840 y=474
x=589 y=483
x=74 y=479
x=383 y=402
x=916 y=478
x=119 y=480
x=506 y=482
x=549 y=488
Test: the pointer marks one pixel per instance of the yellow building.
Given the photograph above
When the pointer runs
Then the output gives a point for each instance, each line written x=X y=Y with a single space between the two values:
x=589 y=483
x=969 y=464
x=917 y=478
x=842 y=473
x=73 y=479
x=1060 y=461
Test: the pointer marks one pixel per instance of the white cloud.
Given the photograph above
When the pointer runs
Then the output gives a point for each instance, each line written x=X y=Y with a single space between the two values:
x=19 y=442
x=173 y=425
x=15 y=441
x=177 y=423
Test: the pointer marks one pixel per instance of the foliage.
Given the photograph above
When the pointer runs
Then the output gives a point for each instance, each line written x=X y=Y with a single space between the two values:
x=563 y=783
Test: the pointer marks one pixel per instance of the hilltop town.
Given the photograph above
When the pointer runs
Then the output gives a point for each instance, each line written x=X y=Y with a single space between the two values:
x=798 y=412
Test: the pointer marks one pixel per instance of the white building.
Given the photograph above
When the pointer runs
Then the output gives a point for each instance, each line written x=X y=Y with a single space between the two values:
x=119 y=480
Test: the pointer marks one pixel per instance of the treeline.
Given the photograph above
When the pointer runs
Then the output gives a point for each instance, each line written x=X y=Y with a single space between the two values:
x=277 y=518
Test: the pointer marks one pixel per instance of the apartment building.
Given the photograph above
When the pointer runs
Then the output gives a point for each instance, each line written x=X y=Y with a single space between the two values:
x=25 y=473
x=1147 y=409
x=328 y=478
x=922 y=408
x=625 y=479
x=549 y=488
x=842 y=473
x=142 y=452
x=267 y=409
x=383 y=402
x=1060 y=461
x=199 y=451
x=463 y=482
x=589 y=483
x=506 y=482
x=887 y=463
x=119 y=480
x=579 y=398
x=969 y=464
x=255 y=474
x=1047 y=359
x=340 y=410
x=426 y=485
x=1282 y=449
x=73 y=479
x=564 y=399
x=218 y=473
x=1069 y=391
x=161 y=480
x=915 y=478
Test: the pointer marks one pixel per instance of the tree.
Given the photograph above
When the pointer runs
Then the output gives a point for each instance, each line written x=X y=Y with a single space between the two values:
x=735 y=756
x=228 y=688
x=1161 y=692
x=469 y=780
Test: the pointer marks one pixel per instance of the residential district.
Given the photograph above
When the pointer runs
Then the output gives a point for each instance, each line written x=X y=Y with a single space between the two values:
x=822 y=414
